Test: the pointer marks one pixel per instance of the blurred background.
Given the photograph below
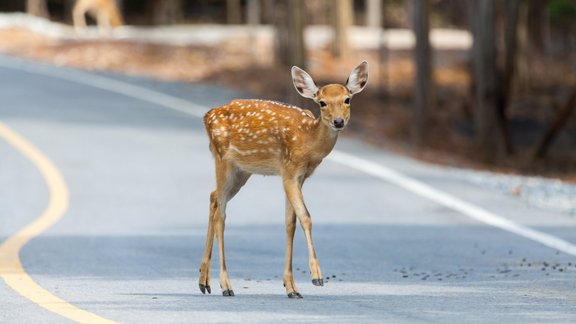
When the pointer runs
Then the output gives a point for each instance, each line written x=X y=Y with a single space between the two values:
x=485 y=84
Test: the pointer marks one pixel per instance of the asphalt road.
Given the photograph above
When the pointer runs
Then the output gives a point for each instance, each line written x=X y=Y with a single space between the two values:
x=139 y=174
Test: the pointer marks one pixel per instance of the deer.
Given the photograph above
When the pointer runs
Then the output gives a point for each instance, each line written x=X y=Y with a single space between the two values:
x=270 y=138
x=105 y=12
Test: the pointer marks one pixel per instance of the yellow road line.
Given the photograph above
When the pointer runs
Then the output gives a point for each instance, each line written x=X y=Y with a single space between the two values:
x=11 y=269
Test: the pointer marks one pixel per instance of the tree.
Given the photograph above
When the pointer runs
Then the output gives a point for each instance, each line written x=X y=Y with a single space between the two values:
x=253 y=12
x=492 y=84
x=507 y=73
x=253 y=18
x=374 y=13
x=343 y=16
x=37 y=8
x=485 y=81
x=290 y=48
x=423 y=93
x=233 y=12
x=166 y=12
x=536 y=21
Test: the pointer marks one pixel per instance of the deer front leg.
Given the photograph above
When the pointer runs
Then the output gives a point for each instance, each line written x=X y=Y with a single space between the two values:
x=294 y=194
x=205 y=265
x=290 y=229
x=103 y=22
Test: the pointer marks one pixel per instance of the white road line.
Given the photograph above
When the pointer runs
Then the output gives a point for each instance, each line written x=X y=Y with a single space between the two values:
x=449 y=201
x=352 y=161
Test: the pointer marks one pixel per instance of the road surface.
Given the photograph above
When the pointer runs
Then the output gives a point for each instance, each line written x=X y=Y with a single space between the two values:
x=398 y=240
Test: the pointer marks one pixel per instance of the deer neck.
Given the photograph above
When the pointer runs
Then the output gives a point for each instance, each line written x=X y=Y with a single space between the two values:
x=323 y=139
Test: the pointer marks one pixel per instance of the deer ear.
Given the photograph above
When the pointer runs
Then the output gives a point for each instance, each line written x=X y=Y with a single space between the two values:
x=304 y=83
x=358 y=78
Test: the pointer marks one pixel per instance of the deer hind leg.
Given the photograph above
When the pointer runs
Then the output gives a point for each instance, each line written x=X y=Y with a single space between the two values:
x=229 y=181
x=79 y=16
x=296 y=199
x=205 y=265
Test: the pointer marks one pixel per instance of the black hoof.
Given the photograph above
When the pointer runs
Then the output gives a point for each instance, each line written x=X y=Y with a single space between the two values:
x=295 y=295
x=318 y=282
x=204 y=288
x=228 y=293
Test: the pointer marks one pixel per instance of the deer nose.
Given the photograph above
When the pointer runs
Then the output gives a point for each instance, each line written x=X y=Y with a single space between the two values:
x=338 y=123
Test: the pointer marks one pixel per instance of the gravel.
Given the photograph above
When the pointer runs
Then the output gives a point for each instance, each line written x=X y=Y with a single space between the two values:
x=550 y=194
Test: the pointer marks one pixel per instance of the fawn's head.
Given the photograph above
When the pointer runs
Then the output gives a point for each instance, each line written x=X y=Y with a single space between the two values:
x=333 y=99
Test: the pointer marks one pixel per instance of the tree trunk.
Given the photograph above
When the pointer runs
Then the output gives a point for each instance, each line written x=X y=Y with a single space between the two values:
x=270 y=12
x=167 y=12
x=423 y=92
x=253 y=10
x=383 y=53
x=536 y=20
x=37 y=8
x=290 y=39
x=374 y=13
x=291 y=49
x=507 y=77
x=485 y=79
x=234 y=12
x=342 y=19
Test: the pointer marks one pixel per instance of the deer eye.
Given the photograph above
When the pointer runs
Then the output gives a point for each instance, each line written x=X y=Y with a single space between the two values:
x=347 y=100
x=323 y=103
